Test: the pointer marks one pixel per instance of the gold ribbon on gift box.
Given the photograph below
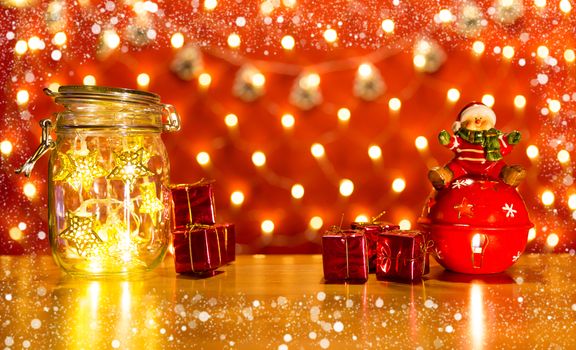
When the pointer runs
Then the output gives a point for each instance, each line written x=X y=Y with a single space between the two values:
x=194 y=227
x=388 y=258
x=201 y=182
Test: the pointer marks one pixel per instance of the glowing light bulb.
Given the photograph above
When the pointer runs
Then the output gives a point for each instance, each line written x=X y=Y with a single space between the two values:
x=569 y=55
x=398 y=185
x=22 y=226
x=237 y=198
x=288 y=121
x=445 y=16
x=531 y=234
x=21 y=47
x=289 y=3
x=6 y=147
x=231 y=120
x=35 y=43
x=56 y=55
x=59 y=39
x=421 y=143
x=234 y=40
x=344 y=114
x=204 y=80
x=361 y=218
x=297 y=191
x=552 y=240
x=330 y=35
x=565 y=6
x=478 y=47
x=563 y=156
x=22 y=97
x=508 y=52
x=375 y=152
x=15 y=233
x=365 y=70
x=143 y=80
x=267 y=226
x=203 y=158
x=519 y=101
x=419 y=61
x=548 y=198
x=317 y=150
x=542 y=51
x=266 y=7
x=488 y=100
x=210 y=5
x=309 y=81
x=453 y=95
x=540 y=3
x=388 y=25
x=572 y=201
x=111 y=39
x=532 y=151
x=177 y=40
x=316 y=223
x=346 y=187
x=405 y=224
x=288 y=42
x=258 y=79
x=258 y=158
x=554 y=106
x=89 y=80
x=29 y=190
x=394 y=104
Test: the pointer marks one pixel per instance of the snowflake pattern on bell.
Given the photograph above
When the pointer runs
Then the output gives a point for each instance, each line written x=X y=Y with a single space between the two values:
x=461 y=183
x=517 y=256
x=509 y=209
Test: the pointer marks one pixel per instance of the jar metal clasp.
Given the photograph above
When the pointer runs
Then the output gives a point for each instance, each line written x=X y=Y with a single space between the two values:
x=46 y=144
x=173 y=119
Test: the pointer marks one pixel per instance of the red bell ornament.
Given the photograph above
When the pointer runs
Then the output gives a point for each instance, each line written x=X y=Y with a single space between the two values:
x=479 y=225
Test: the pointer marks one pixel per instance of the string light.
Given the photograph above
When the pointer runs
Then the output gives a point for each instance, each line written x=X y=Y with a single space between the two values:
x=29 y=190
x=405 y=224
x=398 y=185
x=565 y=6
x=316 y=223
x=287 y=121
x=548 y=198
x=143 y=80
x=6 y=147
x=563 y=156
x=572 y=202
x=317 y=150
x=488 y=100
x=59 y=39
x=15 y=233
x=519 y=101
x=258 y=158
x=234 y=40
x=445 y=16
x=89 y=80
x=177 y=40
x=297 y=191
x=56 y=55
x=554 y=106
x=288 y=42
x=21 y=47
x=266 y=7
x=478 y=47
x=453 y=95
x=531 y=234
x=508 y=52
x=22 y=97
x=330 y=35
x=35 y=43
x=267 y=226
x=346 y=187
x=552 y=240
x=569 y=55
x=374 y=152
x=421 y=143
x=344 y=114
x=532 y=151
x=231 y=120
x=542 y=51
x=237 y=198
x=540 y=3
x=388 y=25
x=111 y=39
x=289 y=3
x=204 y=80
x=361 y=218
x=22 y=226
x=395 y=104
x=203 y=158
x=210 y=5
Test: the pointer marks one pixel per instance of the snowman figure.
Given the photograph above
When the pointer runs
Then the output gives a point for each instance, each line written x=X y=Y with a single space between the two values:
x=478 y=148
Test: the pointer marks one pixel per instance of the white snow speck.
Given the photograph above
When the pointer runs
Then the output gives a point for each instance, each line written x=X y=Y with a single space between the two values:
x=321 y=296
x=338 y=327
x=542 y=79
x=41 y=235
x=349 y=303
x=10 y=35
x=26 y=344
x=287 y=338
x=324 y=343
x=8 y=341
x=282 y=301
x=8 y=297
x=379 y=302
x=240 y=21
x=256 y=303
x=313 y=335
x=110 y=6
x=115 y=343
x=457 y=316
x=96 y=28
x=282 y=347
x=573 y=307
x=429 y=303
x=449 y=329
x=35 y=323
x=520 y=299
x=203 y=316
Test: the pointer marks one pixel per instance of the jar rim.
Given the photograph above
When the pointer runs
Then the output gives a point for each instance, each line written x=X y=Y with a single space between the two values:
x=69 y=93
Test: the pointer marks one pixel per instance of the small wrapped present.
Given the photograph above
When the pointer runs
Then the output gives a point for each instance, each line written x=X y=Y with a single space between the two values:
x=344 y=256
x=401 y=255
x=198 y=249
x=371 y=230
x=192 y=204
x=228 y=243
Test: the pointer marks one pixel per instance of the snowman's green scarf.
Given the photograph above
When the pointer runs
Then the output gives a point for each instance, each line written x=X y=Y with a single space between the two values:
x=487 y=138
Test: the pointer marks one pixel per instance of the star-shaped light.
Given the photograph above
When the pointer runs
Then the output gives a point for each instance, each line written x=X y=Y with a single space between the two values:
x=79 y=168
x=80 y=232
x=129 y=166
x=464 y=208
x=150 y=203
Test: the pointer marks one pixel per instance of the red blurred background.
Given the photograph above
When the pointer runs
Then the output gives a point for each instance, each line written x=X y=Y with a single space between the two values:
x=527 y=51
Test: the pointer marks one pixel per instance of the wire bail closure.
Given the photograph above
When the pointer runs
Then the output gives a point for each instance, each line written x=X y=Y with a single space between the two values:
x=46 y=144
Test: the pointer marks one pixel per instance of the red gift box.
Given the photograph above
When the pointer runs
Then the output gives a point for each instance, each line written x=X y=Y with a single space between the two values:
x=401 y=255
x=344 y=256
x=198 y=249
x=192 y=204
x=371 y=230
x=227 y=236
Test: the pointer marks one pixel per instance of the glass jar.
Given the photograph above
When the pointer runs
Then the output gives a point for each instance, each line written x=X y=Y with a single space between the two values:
x=108 y=184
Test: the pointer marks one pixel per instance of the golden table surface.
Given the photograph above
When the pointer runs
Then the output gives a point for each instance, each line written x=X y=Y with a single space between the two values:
x=281 y=302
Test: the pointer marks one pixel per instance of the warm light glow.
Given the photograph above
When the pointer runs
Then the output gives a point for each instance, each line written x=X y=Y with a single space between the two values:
x=563 y=156
x=203 y=158
x=54 y=86
x=35 y=43
x=29 y=190
x=21 y=47
x=316 y=223
x=177 y=40
x=59 y=39
x=552 y=240
x=421 y=143
x=572 y=201
x=361 y=218
x=288 y=121
x=22 y=97
x=258 y=79
x=309 y=81
x=231 y=120
x=419 y=61
x=488 y=100
x=532 y=151
x=398 y=185
x=89 y=80
x=565 y=6
x=540 y=3
x=445 y=16
x=365 y=70
x=330 y=35
x=237 y=198
x=267 y=226
x=22 y=225
x=210 y=5
x=531 y=234
x=346 y=187
x=508 y=52
x=477 y=326
x=554 y=106
x=143 y=80
x=204 y=80
x=395 y=104
x=15 y=233
x=388 y=25
x=288 y=42
x=405 y=224
x=111 y=39
x=266 y=7
x=519 y=101
x=258 y=158
x=317 y=150
x=478 y=47
x=548 y=198
x=344 y=114
x=234 y=40
x=297 y=191
x=542 y=51
x=375 y=152
x=569 y=55
x=6 y=147
x=453 y=95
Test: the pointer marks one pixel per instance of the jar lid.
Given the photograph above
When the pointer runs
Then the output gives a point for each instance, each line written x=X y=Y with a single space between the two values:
x=72 y=93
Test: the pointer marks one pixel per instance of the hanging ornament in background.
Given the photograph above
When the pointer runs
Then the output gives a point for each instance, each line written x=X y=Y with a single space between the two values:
x=470 y=21
x=306 y=93
x=187 y=63
x=140 y=31
x=428 y=56
x=368 y=83
x=55 y=16
x=249 y=83
x=507 y=11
